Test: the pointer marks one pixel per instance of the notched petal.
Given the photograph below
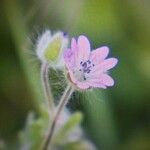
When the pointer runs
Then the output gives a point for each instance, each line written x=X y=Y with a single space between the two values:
x=99 y=54
x=108 y=64
x=95 y=83
x=83 y=43
x=106 y=80
x=69 y=58
x=73 y=44
x=83 y=48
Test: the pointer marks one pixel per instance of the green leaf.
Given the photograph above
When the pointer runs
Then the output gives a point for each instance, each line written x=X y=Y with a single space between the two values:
x=79 y=145
x=68 y=127
x=32 y=136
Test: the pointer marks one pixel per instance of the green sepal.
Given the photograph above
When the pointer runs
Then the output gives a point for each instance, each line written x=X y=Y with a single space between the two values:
x=52 y=51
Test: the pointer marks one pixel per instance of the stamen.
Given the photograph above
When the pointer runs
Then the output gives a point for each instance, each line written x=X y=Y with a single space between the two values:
x=89 y=62
x=88 y=71
x=84 y=64
x=85 y=68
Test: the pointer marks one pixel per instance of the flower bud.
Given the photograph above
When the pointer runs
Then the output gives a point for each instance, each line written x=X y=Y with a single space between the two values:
x=50 y=47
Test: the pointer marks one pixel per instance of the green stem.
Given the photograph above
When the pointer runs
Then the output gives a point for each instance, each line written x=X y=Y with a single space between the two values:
x=46 y=86
x=63 y=101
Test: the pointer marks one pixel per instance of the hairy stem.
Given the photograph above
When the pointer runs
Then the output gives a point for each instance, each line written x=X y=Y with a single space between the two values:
x=63 y=101
x=46 y=86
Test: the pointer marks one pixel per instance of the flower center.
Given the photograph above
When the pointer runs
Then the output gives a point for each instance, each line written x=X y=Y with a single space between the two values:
x=84 y=69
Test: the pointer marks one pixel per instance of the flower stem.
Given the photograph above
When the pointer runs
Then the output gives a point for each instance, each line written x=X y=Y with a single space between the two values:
x=46 y=86
x=63 y=101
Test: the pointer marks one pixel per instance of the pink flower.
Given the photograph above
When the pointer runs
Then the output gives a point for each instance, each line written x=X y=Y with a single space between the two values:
x=86 y=68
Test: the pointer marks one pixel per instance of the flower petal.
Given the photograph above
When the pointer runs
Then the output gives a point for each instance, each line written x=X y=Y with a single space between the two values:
x=104 y=66
x=99 y=54
x=106 y=80
x=108 y=64
x=77 y=83
x=101 y=82
x=74 y=48
x=69 y=58
x=82 y=86
x=72 y=77
x=73 y=44
x=83 y=48
x=96 y=84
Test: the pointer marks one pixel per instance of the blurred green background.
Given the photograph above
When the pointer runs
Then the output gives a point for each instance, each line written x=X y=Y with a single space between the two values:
x=116 y=118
